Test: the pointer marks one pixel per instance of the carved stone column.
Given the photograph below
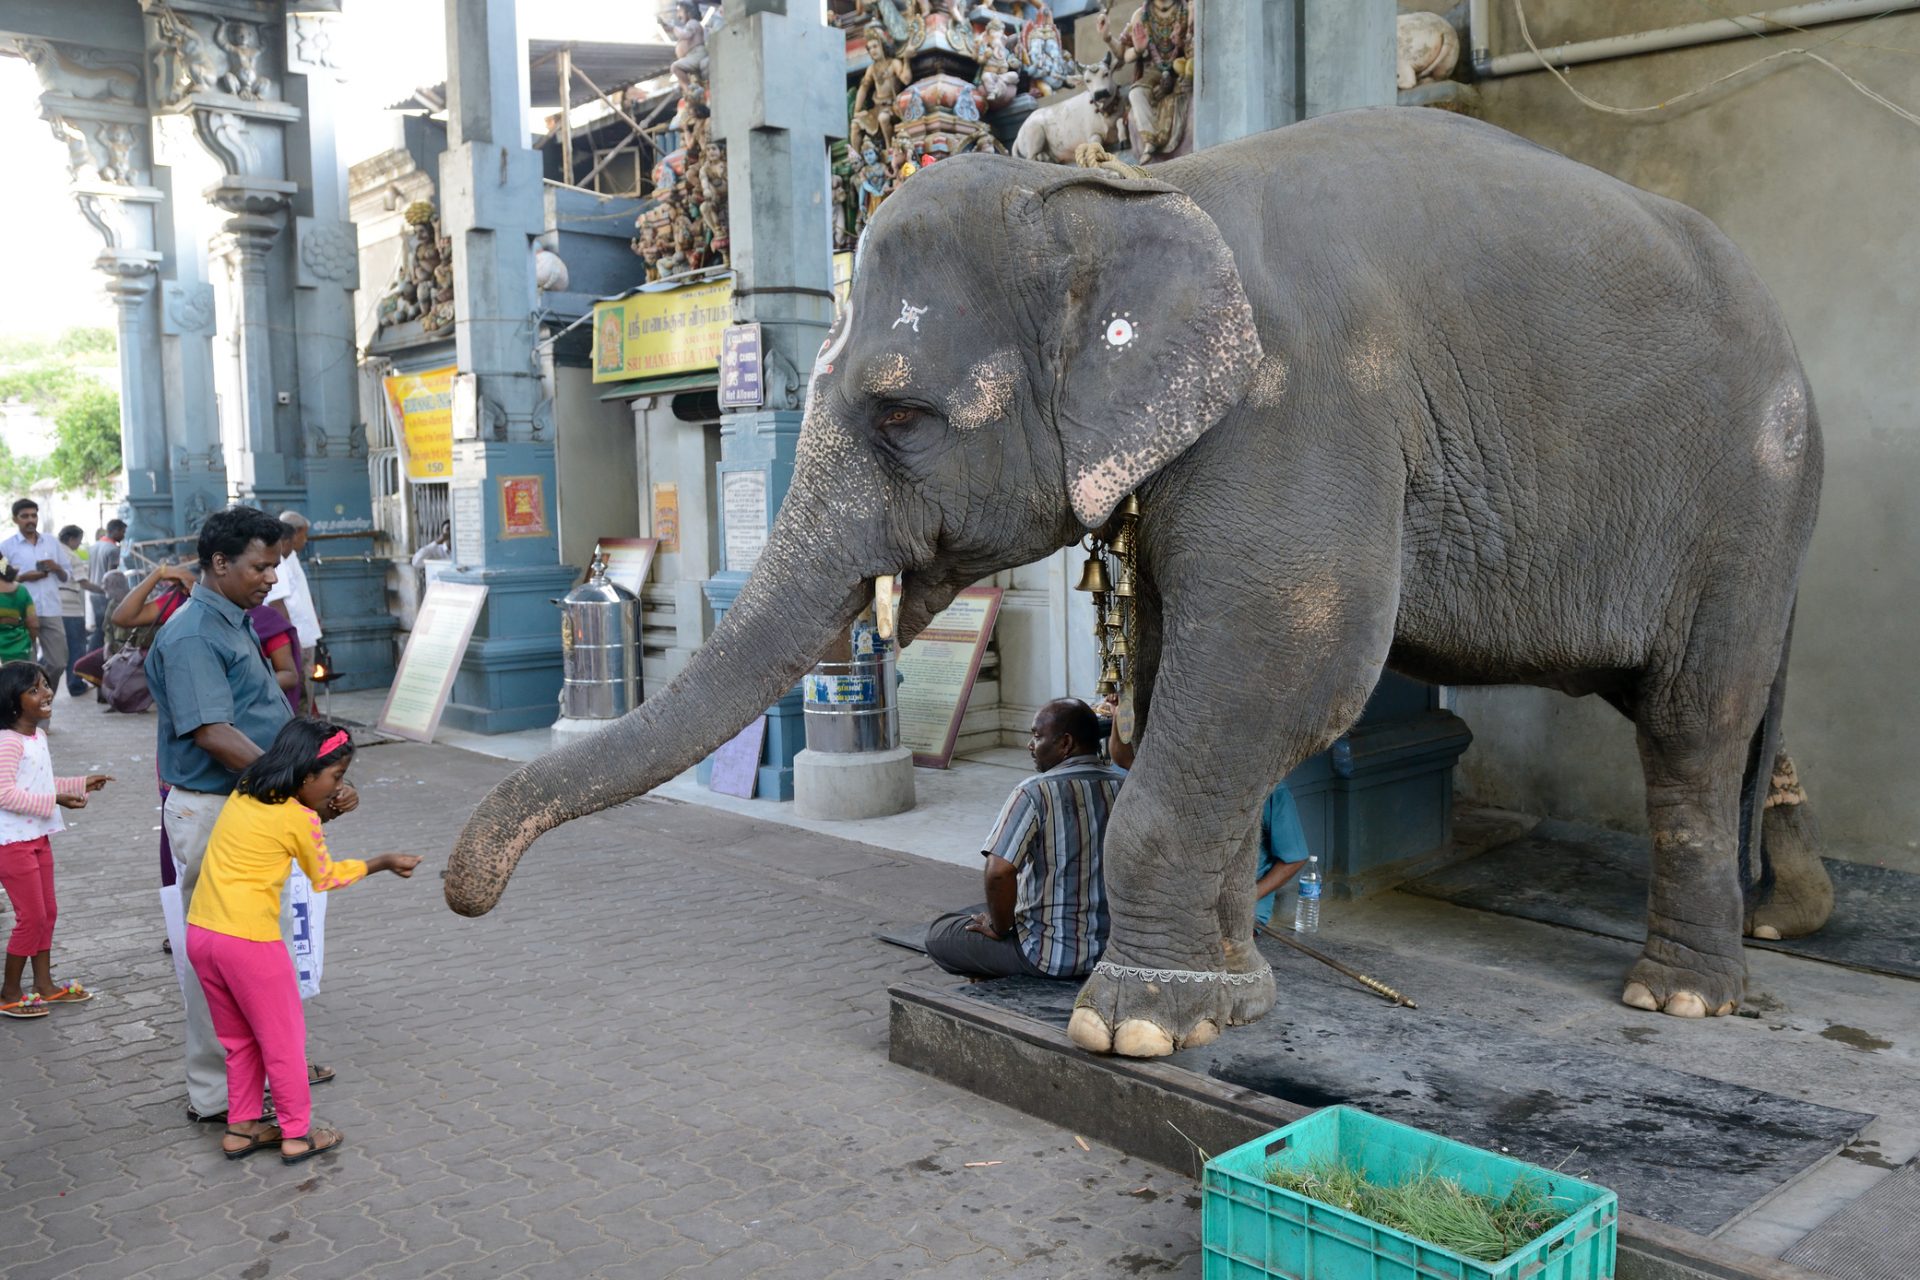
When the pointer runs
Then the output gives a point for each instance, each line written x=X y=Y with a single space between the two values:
x=94 y=102
x=347 y=576
x=216 y=65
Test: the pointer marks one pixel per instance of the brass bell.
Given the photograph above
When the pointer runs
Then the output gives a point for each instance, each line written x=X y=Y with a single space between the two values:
x=1093 y=575
x=1122 y=543
x=1130 y=505
x=1124 y=588
x=1110 y=676
x=1117 y=647
x=1113 y=618
x=1106 y=689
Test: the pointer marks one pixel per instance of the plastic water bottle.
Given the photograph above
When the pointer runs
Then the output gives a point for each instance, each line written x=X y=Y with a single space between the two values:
x=1306 y=911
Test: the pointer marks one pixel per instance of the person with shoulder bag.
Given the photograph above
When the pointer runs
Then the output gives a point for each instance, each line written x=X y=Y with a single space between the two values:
x=136 y=620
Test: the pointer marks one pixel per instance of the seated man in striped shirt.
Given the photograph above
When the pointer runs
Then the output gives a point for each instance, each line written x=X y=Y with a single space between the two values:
x=1046 y=908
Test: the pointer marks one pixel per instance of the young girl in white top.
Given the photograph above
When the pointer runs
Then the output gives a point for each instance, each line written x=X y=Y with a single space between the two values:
x=30 y=799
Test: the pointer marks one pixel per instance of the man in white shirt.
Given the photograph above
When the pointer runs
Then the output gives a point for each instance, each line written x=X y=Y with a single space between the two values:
x=290 y=594
x=43 y=564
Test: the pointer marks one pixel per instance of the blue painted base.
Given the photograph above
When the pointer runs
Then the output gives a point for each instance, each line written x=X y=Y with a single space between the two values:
x=1378 y=806
x=510 y=678
x=786 y=719
x=350 y=595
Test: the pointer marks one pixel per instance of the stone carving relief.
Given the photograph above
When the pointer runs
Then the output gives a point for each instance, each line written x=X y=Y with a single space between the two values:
x=229 y=136
x=93 y=75
x=311 y=41
x=328 y=252
x=186 y=308
x=189 y=58
x=243 y=77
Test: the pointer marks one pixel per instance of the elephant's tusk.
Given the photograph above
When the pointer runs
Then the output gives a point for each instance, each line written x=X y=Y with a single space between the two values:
x=886 y=604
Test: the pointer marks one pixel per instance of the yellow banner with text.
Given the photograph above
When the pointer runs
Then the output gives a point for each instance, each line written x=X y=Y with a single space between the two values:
x=422 y=409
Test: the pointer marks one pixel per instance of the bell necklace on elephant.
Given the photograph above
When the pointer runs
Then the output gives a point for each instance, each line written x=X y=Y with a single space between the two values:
x=1114 y=618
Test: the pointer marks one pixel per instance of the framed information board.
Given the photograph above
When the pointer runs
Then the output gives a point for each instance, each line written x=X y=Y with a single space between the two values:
x=629 y=560
x=937 y=672
x=424 y=679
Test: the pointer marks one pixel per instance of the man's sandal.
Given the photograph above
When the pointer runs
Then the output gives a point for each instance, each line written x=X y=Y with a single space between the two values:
x=314 y=1146
x=31 y=1005
x=268 y=1137
x=72 y=993
x=317 y=1074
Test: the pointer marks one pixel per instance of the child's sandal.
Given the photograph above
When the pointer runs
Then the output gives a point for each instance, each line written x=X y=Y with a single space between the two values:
x=72 y=993
x=314 y=1146
x=268 y=1137
x=31 y=1005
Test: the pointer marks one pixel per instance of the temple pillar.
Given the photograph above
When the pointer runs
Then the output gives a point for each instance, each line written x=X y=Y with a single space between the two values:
x=94 y=101
x=196 y=457
x=1377 y=806
x=347 y=577
x=505 y=535
x=1266 y=63
x=779 y=97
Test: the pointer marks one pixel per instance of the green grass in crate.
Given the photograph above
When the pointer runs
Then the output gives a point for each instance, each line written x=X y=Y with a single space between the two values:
x=1432 y=1208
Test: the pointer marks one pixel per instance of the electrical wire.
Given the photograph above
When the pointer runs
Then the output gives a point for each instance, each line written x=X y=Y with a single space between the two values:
x=1519 y=11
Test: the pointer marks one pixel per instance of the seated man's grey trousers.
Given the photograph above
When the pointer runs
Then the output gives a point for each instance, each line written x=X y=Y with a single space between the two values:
x=959 y=950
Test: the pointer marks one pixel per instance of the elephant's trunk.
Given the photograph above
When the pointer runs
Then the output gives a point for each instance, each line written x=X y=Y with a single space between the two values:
x=800 y=597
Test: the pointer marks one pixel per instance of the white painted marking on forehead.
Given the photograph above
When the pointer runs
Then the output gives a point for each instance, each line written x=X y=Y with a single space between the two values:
x=909 y=315
x=1120 y=329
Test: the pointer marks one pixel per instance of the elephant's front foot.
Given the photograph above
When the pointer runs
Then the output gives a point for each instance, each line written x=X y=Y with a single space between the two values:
x=1677 y=979
x=1141 y=1012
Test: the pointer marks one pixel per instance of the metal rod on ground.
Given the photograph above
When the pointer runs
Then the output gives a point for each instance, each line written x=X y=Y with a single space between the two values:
x=1372 y=984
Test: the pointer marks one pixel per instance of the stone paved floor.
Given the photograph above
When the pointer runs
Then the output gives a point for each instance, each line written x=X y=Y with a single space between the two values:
x=663 y=1055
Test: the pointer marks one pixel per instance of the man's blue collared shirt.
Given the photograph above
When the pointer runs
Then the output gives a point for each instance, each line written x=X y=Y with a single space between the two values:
x=205 y=668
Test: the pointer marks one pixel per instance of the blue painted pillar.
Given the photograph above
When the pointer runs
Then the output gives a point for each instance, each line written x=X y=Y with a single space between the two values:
x=778 y=97
x=349 y=581
x=1378 y=806
x=505 y=527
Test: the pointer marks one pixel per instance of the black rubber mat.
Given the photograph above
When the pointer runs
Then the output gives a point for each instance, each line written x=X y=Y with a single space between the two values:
x=1588 y=878
x=1680 y=1148
x=1877 y=1237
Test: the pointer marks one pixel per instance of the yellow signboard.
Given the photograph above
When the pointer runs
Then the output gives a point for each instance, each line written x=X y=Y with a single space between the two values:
x=422 y=407
x=651 y=334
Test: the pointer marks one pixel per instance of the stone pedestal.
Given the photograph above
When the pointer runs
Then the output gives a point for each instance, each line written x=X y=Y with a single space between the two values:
x=836 y=787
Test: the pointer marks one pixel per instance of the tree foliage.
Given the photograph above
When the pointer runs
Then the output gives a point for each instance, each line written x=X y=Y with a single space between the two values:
x=86 y=451
x=50 y=376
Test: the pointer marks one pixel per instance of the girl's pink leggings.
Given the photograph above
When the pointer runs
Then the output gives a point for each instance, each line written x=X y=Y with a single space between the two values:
x=255 y=1003
x=26 y=869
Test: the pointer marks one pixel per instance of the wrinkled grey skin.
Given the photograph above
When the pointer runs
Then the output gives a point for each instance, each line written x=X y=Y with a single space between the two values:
x=1402 y=390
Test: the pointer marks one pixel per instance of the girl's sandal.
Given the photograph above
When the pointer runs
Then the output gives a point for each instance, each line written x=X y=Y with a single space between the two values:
x=267 y=1137
x=314 y=1145
x=30 y=1005
x=72 y=993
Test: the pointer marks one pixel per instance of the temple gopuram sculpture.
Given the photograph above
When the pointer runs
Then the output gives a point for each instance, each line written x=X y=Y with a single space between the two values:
x=1158 y=43
x=422 y=288
x=684 y=226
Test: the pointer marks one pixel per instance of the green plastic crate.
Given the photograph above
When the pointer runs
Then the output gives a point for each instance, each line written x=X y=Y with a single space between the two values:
x=1253 y=1230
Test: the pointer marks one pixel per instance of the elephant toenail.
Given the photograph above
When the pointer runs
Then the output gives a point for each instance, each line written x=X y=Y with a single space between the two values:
x=1138 y=1038
x=1639 y=997
x=1090 y=1031
x=1686 y=1004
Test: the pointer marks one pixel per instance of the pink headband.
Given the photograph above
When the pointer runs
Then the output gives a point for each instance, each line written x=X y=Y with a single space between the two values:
x=332 y=745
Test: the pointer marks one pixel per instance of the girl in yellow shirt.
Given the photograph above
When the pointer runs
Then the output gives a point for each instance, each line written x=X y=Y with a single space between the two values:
x=271 y=820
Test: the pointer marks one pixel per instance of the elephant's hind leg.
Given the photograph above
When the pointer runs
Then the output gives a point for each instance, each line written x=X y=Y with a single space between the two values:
x=1695 y=734
x=1798 y=897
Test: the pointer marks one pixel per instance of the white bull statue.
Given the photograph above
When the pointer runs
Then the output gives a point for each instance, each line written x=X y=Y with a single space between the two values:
x=1061 y=127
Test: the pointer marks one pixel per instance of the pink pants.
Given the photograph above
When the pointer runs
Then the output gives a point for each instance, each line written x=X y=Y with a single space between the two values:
x=255 y=1003
x=26 y=869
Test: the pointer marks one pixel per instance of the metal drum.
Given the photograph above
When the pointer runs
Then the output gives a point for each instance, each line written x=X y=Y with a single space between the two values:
x=600 y=634
x=850 y=705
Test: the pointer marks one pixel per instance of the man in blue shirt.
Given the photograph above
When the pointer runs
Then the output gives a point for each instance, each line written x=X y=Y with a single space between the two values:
x=1046 y=908
x=218 y=707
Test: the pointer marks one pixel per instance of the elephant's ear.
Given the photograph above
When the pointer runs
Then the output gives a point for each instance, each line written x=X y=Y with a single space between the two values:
x=1145 y=324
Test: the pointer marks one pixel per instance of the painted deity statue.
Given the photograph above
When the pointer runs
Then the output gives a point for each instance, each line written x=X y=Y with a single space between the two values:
x=1048 y=66
x=1158 y=42
x=884 y=80
x=997 y=73
x=689 y=43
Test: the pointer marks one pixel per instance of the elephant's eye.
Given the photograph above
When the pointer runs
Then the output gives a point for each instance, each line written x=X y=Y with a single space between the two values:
x=897 y=416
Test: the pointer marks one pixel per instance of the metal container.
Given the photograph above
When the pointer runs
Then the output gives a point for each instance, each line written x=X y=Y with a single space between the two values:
x=850 y=705
x=600 y=637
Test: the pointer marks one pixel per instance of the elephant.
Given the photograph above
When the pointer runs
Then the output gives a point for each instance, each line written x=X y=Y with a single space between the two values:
x=1393 y=389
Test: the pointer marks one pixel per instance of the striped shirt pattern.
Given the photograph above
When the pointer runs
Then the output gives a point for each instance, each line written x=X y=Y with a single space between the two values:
x=1051 y=829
